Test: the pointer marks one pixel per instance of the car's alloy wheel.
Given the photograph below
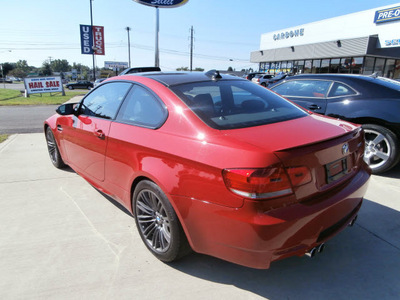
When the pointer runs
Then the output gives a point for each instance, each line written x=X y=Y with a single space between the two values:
x=157 y=222
x=52 y=148
x=381 y=148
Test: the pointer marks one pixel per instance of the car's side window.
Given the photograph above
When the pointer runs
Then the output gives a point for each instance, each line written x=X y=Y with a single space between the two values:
x=304 y=88
x=105 y=101
x=340 y=89
x=142 y=108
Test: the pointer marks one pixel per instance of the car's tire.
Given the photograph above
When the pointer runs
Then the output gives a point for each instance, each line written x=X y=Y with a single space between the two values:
x=381 y=148
x=89 y=87
x=263 y=84
x=70 y=87
x=52 y=148
x=157 y=223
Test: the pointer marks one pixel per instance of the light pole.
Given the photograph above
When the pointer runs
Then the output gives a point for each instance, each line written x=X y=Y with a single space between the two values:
x=129 y=45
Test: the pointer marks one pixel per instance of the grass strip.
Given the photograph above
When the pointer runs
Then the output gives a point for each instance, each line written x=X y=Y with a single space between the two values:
x=15 y=97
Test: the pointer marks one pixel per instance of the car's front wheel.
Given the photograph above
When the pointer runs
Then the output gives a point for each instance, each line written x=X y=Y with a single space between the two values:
x=381 y=148
x=70 y=87
x=157 y=223
x=52 y=148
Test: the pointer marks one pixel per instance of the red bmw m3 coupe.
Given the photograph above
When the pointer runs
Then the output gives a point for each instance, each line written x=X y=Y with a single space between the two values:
x=215 y=164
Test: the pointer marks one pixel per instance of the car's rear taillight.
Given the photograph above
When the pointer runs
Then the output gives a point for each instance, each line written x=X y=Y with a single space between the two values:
x=274 y=181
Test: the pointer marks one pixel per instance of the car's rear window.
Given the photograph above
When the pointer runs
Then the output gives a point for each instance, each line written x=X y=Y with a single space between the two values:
x=236 y=104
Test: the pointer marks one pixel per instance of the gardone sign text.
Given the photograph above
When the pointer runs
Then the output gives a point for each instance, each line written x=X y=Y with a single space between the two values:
x=162 y=3
x=39 y=85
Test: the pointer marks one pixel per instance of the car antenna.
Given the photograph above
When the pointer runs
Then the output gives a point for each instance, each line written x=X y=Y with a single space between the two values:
x=374 y=75
x=214 y=74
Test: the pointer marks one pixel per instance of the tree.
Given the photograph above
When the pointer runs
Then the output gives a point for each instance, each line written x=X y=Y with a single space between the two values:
x=230 y=69
x=22 y=65
x=18 y=72
x=199 y=70
x=7 y=67
x=45 y=70
x=59 y=65
x=183 y=69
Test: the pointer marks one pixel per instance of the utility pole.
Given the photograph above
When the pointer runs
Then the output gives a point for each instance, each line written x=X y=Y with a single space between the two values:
x=191 y=49
x=129 y=45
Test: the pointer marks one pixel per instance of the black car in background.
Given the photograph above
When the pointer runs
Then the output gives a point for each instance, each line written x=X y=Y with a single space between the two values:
x=371 y=101
x=79 y=85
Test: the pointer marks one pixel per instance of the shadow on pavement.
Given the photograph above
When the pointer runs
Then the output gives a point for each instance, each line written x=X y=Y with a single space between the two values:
x=393 y=173
x=356 y=264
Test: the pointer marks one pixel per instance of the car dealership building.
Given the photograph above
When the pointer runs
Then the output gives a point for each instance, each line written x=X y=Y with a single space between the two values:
x=361 y=43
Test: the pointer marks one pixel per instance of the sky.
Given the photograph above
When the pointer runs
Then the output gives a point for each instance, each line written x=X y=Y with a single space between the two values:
x=225 y=31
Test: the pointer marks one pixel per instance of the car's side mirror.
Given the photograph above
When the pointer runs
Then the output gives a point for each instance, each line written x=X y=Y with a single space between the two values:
x=67 y=109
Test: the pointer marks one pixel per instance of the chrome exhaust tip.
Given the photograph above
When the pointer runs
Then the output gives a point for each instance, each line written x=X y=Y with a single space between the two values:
x=352 y=222
x=318 y=249
x=312 y=252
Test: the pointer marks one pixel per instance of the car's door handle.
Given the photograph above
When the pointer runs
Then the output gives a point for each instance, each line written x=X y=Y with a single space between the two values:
x=99 y=133
x=59 y=128
x=314 y=107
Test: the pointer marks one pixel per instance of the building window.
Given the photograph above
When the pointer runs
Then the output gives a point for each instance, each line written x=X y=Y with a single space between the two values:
x=397 y=69
x=379 y=65
x=334 y=67
x=356 y=65
x=345 y=65
x=369 y=65
x=316 y=66
x=324 y=66
x=389 y=68
x=307 y=66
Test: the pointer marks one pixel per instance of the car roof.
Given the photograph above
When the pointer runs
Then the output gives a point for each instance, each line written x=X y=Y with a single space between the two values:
x=175 y=78
x=331 y=76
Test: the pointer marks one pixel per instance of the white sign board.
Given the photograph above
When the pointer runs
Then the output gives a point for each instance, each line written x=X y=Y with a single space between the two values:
x=38 y=85
x=115 y=65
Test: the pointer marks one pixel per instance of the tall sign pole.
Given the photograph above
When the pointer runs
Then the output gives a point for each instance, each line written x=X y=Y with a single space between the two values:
x=157 y=4
x=91 y=24
x=157 y=53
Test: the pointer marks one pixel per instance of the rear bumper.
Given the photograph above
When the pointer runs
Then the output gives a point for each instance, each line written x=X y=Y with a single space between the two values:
x=255 y=235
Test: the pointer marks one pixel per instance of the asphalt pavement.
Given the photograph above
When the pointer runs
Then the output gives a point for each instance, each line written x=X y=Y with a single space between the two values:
x=62 y=239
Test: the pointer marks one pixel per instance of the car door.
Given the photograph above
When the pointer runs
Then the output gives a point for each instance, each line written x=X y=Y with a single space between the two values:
x=85 y=135
x=308 y=93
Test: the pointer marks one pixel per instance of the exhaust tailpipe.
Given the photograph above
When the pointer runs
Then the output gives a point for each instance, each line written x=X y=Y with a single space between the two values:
x=318 y=249
x=352 y=222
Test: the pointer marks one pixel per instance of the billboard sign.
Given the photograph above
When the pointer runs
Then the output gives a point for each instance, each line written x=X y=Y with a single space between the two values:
x=39 y=85
x=162 y=3
x=115 y=65
x=92 y=40
x=387 y=15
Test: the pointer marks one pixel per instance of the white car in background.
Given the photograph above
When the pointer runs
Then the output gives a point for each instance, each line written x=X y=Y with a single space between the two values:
x=262 y=79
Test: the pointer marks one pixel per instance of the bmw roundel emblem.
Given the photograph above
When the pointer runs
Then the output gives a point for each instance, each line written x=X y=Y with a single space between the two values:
x=345 y=149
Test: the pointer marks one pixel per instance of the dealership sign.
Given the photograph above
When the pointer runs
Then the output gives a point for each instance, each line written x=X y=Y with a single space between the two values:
x=39 y=85
x=115 y=65
x=387 y=15
x=288 y=34
x=92 y=40
x=162 y=3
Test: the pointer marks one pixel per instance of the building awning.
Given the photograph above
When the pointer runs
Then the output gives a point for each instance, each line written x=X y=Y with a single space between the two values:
x=361 y=46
